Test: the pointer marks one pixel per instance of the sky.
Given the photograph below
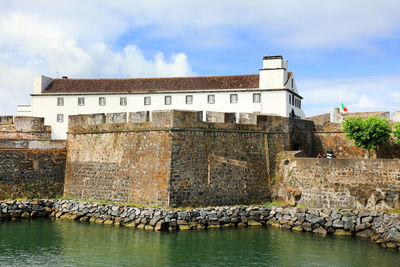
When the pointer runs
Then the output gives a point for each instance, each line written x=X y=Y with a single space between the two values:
x=342 y=51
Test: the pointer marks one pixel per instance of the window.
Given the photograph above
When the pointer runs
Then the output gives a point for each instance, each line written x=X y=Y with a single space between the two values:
x=60 y=101
x=290 y=99
x=234 y=98
x=123 y=101
x=211 y=99
x=292 y=83
x=257 y=98
x=189 y=99
x=102 y=101
x=60 y=117
x=81 y=101
x=147 y=100
x=167 y=100
x=299 y=103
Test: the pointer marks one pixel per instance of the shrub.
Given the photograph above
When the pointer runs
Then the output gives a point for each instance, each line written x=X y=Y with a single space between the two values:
x=367 y=133
x=396 y=132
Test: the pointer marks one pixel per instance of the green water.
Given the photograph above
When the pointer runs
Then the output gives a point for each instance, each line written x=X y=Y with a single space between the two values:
x=58 y=243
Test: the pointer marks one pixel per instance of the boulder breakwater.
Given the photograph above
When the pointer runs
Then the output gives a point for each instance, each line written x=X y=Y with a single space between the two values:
x=381 y=227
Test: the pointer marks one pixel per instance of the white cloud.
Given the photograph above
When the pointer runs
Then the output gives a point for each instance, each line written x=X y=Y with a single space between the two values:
x=32 y=46
x=83 y=39
x=364 y=93
x=305 y=24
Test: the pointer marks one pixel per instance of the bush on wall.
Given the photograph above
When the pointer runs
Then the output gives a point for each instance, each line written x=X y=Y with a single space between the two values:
x=367 y=133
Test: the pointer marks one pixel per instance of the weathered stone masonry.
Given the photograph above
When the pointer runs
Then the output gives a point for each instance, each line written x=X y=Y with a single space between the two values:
x=31 y=165
x=174 y=160
x=31 y=168
x=382 y=228
x=373 y=184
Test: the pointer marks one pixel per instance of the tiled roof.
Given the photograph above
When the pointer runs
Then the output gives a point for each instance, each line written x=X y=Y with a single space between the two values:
x=152 y=84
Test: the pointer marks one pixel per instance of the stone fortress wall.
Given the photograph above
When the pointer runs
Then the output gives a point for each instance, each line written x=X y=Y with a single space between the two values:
x=173 y=158
x=372 y=184
x=176 y=159
x=329 y=134
x=31 y=165
x=21 y=127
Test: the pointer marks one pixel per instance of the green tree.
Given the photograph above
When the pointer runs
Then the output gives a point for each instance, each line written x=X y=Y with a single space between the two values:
x=367 y=133
x=396 y=132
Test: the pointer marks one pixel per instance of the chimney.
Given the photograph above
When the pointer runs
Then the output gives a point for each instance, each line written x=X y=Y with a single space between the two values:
x=40 y=83
x=274 y=62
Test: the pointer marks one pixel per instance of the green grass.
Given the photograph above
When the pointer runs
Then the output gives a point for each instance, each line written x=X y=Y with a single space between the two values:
x=275 y=203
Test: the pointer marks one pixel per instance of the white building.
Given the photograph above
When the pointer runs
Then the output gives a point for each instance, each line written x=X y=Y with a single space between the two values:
x=272 y=91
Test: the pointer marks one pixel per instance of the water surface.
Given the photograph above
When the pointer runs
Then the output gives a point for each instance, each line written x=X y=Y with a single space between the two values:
x=59 y=243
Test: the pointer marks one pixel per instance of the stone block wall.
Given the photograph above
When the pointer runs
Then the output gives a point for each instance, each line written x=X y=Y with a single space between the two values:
x=132 y=166
x=339 y=183
x=23 y=128
x=174 y=160
x=31 y=168
x=331 y=135
x=218 y=165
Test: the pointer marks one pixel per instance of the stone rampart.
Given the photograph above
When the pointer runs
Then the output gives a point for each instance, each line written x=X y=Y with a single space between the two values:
x=31 y=168
x=331 y=135
x=23 y=128
x=339 y=183
x=175 y=159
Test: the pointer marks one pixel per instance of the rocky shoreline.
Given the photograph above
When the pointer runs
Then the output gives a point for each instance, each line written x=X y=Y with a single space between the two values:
x=380 y=227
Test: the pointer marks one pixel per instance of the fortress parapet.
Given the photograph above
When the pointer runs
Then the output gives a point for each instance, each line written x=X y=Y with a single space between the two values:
x=182 y=119
x=175 y=158
x=23 y=127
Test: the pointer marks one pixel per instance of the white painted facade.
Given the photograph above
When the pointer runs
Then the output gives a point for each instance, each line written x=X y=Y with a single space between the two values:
x=275 y=89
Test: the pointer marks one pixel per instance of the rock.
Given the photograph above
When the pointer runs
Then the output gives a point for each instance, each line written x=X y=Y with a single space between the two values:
x=394 y=235
x=108 y=222
x=360 y=227
x=132 y=224
x=338 y=223
x=161 y=226
x=297 y=229
x=313 y=218
x=390 y=245
x=212 y=216
x=320 y=230
x=224 y=220
x=253 y=223
x=341 y=232
x=140 y=226
x=84 y=219
x=149 y=228
x=307 y=226
x=365 y=234
x=241 y=225
x=25 y=215
x=99 y=221
x=200 y=226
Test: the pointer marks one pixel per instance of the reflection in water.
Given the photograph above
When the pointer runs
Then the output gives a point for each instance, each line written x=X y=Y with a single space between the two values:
x=48 y=243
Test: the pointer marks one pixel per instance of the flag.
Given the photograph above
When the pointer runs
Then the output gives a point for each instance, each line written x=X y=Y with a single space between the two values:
x=344 y=108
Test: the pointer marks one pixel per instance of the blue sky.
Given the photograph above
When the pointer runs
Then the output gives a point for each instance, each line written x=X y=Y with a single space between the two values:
x=339 y=51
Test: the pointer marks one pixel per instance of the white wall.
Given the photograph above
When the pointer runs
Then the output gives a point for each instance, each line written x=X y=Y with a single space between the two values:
x=46 y=105
x=274 y=99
